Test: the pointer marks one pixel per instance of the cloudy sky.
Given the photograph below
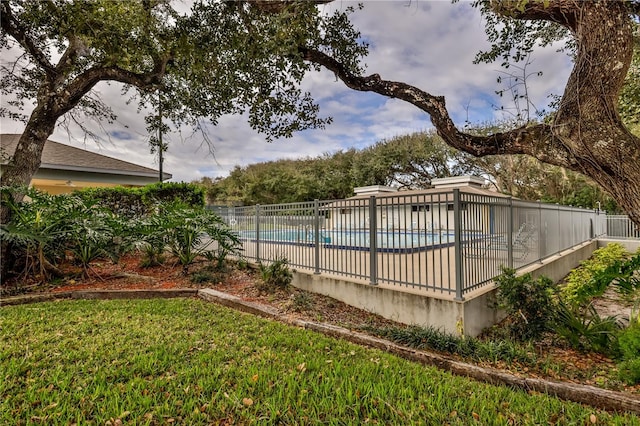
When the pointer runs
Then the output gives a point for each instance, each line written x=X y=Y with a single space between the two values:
x=429 y=44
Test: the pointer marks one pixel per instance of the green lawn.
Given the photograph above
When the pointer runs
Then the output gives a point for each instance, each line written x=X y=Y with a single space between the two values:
x=185 y=361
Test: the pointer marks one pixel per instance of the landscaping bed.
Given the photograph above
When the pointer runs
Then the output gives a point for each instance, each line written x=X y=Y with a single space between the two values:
x=547 y=359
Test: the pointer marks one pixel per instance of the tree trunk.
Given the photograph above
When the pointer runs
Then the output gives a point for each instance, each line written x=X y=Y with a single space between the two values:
x=22 y=166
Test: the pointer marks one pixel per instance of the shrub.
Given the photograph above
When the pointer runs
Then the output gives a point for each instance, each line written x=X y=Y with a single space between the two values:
x=201 y=277
x=591 y=278
x=626 y=275
x=584 y=329
x=629 y=343
x=301 y=301
x=153 y=239
x=528 y=302
x=36 y=232
x=629 y=370
x=93 y=232
x=141 y=202
x=275 y=275
x=465 y=346
x=45 y=227
x=196 y=232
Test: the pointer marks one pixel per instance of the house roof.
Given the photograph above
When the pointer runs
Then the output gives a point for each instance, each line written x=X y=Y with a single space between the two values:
x=64 y=157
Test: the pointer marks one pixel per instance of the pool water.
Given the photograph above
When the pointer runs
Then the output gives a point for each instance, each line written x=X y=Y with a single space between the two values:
x=347 y=238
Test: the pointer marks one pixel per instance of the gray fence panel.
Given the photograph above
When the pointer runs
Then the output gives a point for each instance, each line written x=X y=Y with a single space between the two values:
x=408 y=240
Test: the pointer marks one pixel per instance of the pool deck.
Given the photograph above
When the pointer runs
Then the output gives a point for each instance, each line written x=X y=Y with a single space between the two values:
x=429 y=272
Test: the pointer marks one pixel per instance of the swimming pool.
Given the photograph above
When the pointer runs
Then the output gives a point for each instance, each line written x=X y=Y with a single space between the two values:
x=355 y=239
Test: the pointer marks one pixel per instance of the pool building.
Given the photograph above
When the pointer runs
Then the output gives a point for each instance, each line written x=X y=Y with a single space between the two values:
x=414 y=210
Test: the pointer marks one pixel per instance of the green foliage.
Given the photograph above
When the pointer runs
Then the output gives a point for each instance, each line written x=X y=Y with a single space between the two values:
x=90 y=235
x=223 y=57
x=407 y=161
x=528 y=302
x=629 y=343
x=143 y=201
x=625 y=276
x=301 y=301
x=467 y=347
x=36 y=231
x=192 y=233
x=47 y=227
x=152 y=239
x=242 y=264
x=275 y=275
x=200 y=277
x=584 y=329
x=513 y=40
x=591 y=277
x=629 y=370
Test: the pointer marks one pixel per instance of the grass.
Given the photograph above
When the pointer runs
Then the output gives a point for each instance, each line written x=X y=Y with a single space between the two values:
x=185 y=361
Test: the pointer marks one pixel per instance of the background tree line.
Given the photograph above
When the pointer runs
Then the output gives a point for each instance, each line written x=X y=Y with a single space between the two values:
x=407 y=162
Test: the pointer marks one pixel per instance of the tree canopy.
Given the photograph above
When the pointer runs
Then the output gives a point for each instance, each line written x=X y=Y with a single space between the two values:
x=406 y=162
x=219 y=58
x=250 y=56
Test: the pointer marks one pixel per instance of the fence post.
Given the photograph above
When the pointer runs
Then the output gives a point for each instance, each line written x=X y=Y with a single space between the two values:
x=510 y=235
x=316 y=233
x=572 y=243
x=540 y=252
x=373 y=241
x=258 y=233
x=457 y=243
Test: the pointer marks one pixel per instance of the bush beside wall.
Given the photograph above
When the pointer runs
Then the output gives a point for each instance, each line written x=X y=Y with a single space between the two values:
x=138 y=202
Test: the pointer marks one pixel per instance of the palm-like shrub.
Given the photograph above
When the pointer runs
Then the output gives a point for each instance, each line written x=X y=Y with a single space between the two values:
x=90 y=235
x=152 y=238
x=194 y=232
x=36 y=232
x=584 y=329
x=275 y=275
x=44 y=228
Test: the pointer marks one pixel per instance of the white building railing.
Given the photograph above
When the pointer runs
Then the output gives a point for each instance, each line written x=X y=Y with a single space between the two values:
x=620 y=226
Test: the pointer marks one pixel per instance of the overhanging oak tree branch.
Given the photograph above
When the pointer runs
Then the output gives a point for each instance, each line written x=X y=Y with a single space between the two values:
x=586 y=133
x=524 y=140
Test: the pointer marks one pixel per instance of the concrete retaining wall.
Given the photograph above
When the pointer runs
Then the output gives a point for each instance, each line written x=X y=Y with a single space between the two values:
x=470 y=316
x=631 y=245
x=407 y=308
